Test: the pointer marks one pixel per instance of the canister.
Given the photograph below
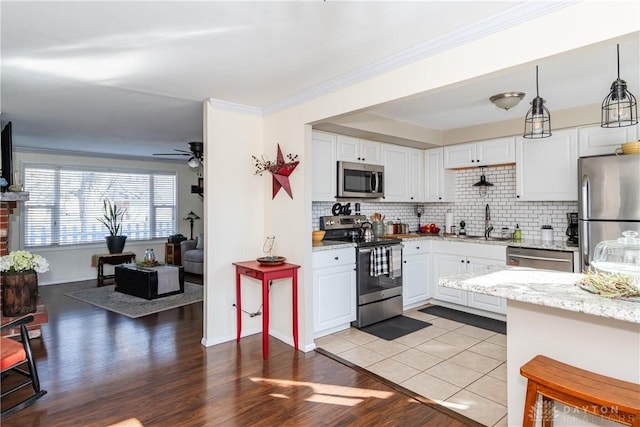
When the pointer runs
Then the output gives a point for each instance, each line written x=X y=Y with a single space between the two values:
x=546 y=233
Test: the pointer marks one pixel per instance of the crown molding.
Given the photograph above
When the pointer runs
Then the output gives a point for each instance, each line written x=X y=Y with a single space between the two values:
x=516 y=15
x=235 y=107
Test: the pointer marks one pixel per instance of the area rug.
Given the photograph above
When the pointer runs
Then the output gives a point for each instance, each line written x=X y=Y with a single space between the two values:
x=395 y=327
x=106 y=297
x=467 y=318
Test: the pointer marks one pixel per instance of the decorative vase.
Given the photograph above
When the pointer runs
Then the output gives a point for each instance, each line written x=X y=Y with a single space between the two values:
x=19 y=293
x=115 y=244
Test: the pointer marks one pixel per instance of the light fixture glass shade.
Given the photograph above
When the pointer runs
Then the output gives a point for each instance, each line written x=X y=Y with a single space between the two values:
x=619 y=107
x=193 y=162
x=507 y=100
x=537 y=123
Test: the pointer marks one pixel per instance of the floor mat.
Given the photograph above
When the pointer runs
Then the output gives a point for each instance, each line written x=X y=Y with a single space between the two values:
x=395 y=327
x=467 y=318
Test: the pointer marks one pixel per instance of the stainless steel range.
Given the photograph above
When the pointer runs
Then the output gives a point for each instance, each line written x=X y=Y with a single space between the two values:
x=379 y=293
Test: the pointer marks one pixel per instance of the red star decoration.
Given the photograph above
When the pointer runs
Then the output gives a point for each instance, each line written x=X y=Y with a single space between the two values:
x=280 y=175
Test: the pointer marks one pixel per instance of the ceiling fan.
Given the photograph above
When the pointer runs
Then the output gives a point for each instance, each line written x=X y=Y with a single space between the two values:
x=195 y=154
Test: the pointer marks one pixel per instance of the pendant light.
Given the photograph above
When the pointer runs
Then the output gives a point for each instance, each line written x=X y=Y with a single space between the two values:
x=483 y=185
x=619 y=108
x=537 y=123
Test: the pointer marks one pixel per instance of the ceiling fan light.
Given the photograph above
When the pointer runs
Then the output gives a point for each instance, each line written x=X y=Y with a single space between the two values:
x=537 y=122
x=507 y=100
x=194 y=162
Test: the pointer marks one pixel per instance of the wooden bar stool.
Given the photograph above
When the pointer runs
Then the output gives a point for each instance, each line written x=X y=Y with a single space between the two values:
x=606 y=397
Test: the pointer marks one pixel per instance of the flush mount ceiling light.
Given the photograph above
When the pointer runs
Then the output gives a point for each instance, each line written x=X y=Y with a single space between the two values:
x=537 y=123
x=619 y=108
x=483 y=185
x=507 y=100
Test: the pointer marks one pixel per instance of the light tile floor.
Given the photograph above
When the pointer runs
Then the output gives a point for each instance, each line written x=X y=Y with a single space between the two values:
x=456 y=365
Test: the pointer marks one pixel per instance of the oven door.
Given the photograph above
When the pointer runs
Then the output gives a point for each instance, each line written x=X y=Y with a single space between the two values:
x=371 y=289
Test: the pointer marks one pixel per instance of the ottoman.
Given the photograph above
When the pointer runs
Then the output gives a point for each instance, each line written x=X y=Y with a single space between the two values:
x=149 y=282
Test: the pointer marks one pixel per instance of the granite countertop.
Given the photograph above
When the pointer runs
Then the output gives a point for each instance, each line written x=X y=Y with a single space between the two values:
x=560 y=245
x=543 y=287
x=326 y=245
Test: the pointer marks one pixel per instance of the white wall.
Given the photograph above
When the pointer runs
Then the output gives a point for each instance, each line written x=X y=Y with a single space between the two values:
x=70 y=264
x=234 y=212
x=289 y=219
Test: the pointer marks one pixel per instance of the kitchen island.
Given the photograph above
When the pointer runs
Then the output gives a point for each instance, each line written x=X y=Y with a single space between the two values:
x=549 y=314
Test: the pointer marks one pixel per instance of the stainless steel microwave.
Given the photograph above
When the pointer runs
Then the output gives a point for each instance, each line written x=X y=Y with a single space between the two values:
x=359 y=180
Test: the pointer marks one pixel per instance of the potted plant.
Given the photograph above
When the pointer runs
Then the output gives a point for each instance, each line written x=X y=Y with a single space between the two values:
x=20 y=288
x=112 y=219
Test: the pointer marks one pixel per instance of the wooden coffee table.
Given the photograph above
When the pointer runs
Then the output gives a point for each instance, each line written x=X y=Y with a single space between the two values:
x=149 y=282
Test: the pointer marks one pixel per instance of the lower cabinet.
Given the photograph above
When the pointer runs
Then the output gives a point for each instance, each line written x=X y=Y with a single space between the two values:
x=416 y=263
x=454 y=257
x=334 y=290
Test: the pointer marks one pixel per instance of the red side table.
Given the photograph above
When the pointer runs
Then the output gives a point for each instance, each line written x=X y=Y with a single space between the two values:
x=266 y=273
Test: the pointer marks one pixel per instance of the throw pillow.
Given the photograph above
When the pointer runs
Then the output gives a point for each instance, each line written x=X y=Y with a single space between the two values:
x=200 y=241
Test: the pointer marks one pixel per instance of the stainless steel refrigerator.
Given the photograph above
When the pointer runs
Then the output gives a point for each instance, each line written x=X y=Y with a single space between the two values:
x=609 y=200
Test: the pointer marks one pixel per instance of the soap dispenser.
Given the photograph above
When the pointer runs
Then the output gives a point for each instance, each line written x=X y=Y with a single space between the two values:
x=517 y=234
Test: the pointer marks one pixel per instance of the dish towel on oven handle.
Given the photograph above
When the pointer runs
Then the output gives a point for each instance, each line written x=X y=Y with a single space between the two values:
x=379 y=261
x=395 y=261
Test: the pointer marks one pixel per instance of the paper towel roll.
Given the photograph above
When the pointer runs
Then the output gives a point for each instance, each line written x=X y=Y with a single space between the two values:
x=448 y=222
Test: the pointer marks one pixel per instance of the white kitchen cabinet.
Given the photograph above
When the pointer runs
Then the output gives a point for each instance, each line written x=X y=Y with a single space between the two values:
x=334 y=290
x=440 y=184
x=416 y=289
x=482 y=301
x=459 y=257
x=443 y=265
x=596 y=141
x=415 y=175
x=350 y=149
x=324 y=169
x=402 y=173
x=498 y=151
x=547 y=168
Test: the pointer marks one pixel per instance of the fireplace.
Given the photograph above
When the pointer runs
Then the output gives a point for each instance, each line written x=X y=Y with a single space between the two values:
x=8 y=202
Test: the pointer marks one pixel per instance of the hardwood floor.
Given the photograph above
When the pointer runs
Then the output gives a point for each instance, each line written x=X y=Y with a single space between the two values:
x=101 y=368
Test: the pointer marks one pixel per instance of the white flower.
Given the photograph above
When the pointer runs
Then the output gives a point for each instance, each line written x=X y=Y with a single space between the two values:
x=18 y=261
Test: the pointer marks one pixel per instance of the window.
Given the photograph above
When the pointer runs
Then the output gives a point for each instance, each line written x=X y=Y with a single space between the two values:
x=65 y=202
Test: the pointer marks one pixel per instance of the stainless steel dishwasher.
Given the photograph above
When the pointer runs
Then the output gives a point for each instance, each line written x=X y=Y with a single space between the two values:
x=547 y=259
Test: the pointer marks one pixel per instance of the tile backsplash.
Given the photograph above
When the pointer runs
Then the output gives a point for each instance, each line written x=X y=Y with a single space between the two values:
x=470 y=207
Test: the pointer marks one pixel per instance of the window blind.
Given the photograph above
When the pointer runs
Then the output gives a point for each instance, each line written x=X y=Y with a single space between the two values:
x=65 y=204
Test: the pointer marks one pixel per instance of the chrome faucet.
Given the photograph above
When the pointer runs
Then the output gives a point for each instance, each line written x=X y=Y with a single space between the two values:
x=488 y=228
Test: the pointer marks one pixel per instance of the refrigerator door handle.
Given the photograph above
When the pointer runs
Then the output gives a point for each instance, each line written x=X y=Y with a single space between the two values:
x=585 y=243
x=585 y=189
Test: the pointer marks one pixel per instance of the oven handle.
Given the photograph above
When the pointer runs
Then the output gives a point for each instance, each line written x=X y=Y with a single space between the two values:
x=367 y=250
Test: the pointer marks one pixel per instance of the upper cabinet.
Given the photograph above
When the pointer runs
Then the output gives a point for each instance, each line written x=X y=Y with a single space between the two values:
x=324 y=168
x=595 y=140
x=351 y=149
x=402 y=173
x=497 y=151
x=440 y=184
x=547 y=168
